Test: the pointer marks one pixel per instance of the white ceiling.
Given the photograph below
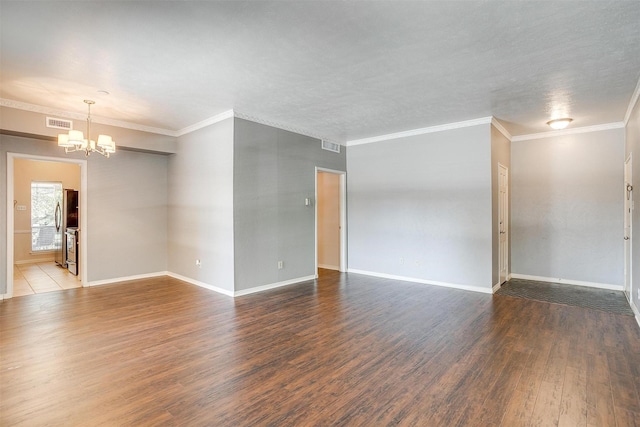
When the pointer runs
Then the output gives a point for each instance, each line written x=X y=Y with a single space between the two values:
x=338 y=70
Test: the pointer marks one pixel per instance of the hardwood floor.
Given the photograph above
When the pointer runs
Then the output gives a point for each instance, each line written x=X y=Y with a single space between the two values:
x=346 y=350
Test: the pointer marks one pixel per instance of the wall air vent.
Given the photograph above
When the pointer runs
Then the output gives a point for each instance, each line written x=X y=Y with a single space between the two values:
x=330 y=146
x=55 y=123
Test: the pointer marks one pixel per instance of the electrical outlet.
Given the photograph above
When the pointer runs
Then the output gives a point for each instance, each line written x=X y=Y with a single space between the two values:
x=198 y=263
x=401 y=260
x=280 y=265
x=638 y=293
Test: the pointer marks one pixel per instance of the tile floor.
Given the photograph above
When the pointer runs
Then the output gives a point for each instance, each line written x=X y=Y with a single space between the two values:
x=42 y=277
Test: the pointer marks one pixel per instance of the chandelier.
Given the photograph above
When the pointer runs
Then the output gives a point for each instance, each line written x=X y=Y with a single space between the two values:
x=75 y=140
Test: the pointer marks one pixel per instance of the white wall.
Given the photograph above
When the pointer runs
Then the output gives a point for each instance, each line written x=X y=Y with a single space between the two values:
x=420 y=207
x=200 y=182
x=567 y=207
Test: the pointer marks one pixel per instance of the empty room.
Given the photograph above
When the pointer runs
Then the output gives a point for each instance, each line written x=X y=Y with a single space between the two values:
x=322 y=213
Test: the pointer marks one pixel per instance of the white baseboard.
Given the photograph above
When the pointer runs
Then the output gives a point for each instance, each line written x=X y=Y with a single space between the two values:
x=329 y=267
x=422 y=281
x=568 y=282
x=201 y=284
x=635 y=311
x=33 y=261
x=496 y=287
x=124 y=279
x=274 y=285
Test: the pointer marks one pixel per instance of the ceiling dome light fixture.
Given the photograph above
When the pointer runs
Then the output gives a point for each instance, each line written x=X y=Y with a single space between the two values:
x=558 y=124
x=75 y=140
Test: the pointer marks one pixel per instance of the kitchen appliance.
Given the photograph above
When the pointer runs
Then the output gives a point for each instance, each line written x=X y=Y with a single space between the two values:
x=66 y=216
x=72 y=250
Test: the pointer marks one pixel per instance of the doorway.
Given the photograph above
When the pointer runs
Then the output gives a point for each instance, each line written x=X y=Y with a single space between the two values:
x=503 y=223
x=12 y=159
x=331 y=230
x=628 y=230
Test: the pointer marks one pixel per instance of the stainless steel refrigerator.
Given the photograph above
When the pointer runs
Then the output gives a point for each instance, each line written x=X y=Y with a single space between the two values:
x=66 y=216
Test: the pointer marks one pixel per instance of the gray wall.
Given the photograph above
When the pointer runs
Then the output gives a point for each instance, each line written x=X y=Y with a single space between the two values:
x=201 y=206
x=420 y=207
x=274 y=171
x=126 y=209
x=127 y=215
x=500 y=153
x=632 y=142
x=567 y=207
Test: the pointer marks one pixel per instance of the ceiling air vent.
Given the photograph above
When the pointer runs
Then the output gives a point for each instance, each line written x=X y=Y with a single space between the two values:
x=330 y=146
x=55 y=123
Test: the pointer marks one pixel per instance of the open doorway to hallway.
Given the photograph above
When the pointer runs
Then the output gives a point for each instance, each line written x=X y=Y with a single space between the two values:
x=331 y=220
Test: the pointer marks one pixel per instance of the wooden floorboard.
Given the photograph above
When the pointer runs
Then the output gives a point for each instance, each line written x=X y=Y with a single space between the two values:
x=347 y=350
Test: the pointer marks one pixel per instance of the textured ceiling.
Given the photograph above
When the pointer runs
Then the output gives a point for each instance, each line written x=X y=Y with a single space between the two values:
x=338 y=70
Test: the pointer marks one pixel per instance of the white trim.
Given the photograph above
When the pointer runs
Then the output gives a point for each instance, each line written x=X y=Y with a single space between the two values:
x=421 y=281
x=81 y=116
x=200 y=284
x=273 y=285
x=635 y=311
x=206 y=122
x=421 y=131
x=125 y=279
x=632 y=103
x=84 y=185
x=496 y=124
x=496 y=287
x=329 y=267
x=568 y=282
x=33 y=261
x=572 y=131
x=276 y=125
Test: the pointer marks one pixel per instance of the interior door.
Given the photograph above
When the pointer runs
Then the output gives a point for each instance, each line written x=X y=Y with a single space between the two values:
x=503 y=223
x=628 y=209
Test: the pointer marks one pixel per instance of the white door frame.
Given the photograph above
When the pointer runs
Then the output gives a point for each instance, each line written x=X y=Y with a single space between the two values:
x=503 y=228
x=628 y=238
x=343 y=217
x=83 y=273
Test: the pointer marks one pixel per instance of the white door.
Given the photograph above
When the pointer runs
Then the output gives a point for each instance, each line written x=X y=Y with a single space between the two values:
x=503 y=223
x=628 y=208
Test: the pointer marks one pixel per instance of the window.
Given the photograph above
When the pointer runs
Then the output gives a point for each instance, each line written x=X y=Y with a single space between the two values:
x=44 y=198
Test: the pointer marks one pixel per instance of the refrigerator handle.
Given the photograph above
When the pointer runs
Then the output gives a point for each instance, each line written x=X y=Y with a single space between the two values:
x=58 y=216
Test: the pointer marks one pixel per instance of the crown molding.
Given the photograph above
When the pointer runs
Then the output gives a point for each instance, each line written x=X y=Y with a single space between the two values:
x=273 y=124
x=206 y=122
x=496 y=124
x=555 y=133
x=80 y=116
x=632 y=103
x=421 y=131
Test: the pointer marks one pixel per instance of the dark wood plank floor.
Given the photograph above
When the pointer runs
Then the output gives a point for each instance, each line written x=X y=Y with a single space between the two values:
x=346 y=350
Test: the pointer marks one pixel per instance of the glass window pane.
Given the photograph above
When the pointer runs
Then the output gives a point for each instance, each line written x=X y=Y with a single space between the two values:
x=44 y=197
